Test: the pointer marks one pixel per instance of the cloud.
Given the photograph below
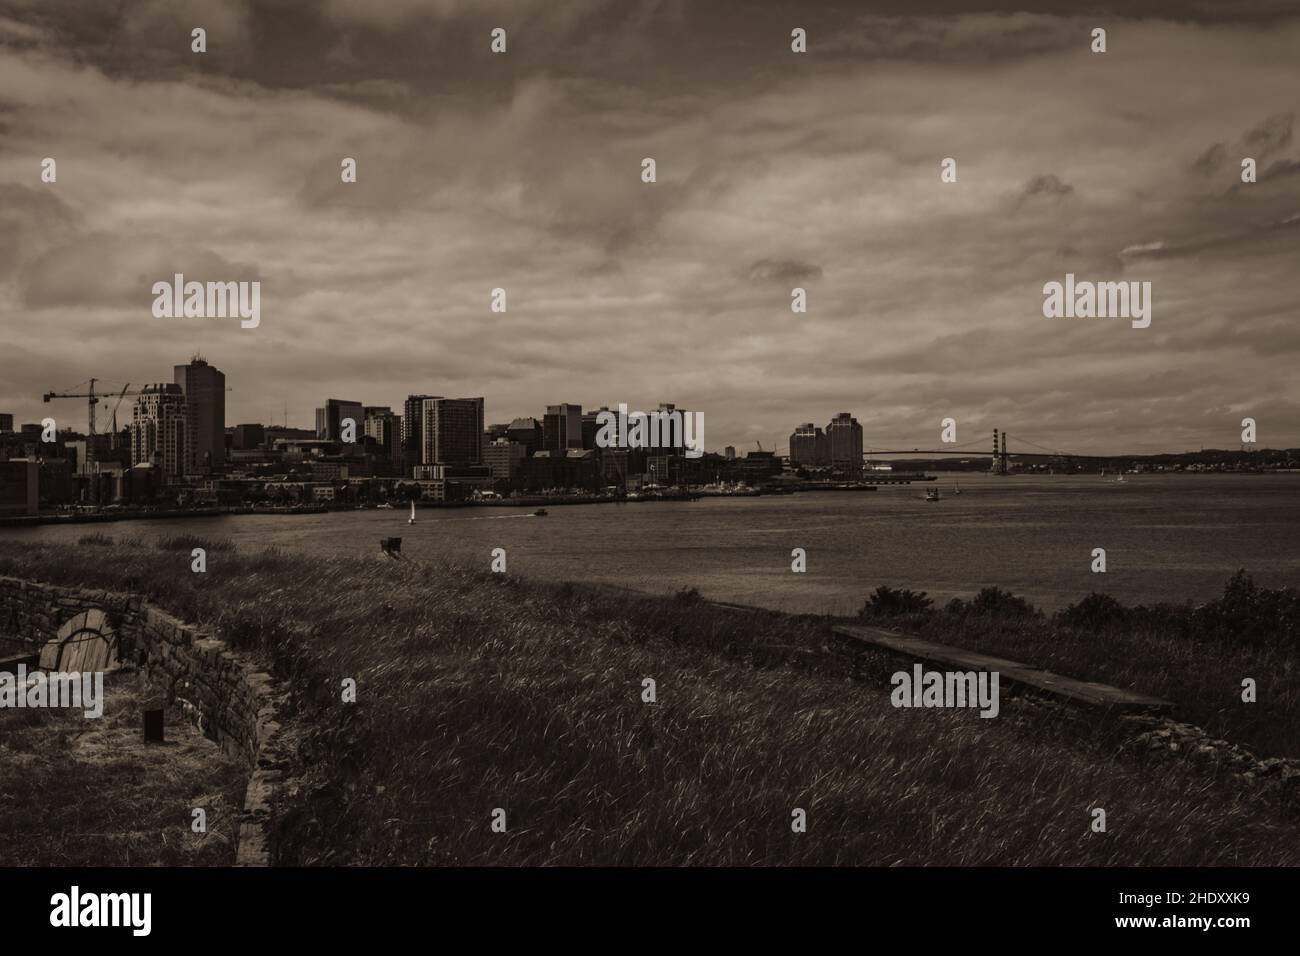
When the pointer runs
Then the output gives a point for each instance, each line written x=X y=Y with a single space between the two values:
x=1271 y=135
x=1046 y=187
x=782 y=270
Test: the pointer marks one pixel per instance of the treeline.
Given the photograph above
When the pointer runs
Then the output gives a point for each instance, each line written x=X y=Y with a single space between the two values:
x=1246 y=612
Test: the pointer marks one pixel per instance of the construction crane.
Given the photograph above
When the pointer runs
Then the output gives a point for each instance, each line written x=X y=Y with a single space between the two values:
x=115 y=433
x=92 y=400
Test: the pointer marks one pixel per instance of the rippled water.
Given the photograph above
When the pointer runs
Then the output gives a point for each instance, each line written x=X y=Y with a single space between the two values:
x=1174 y=537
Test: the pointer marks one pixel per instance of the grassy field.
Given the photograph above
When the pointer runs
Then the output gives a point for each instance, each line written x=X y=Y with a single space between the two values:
x=75 y=791
x=479 y=691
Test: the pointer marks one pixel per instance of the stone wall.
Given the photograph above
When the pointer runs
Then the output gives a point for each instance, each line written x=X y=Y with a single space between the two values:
x=219 y=689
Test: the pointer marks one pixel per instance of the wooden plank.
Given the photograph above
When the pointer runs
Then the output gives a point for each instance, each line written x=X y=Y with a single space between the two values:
x=1087 y=693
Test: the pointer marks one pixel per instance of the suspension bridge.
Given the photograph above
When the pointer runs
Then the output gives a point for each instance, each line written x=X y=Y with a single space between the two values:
x=998 y=451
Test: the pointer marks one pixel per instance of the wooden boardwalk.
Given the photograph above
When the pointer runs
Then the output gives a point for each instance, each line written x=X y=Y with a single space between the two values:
x=1085 y=693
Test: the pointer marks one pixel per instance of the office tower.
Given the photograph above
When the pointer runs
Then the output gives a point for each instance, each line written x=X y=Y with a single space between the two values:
x=452 y=431
x=159 y=429
x=809 y=446
x=204 y=390
x=730 y=453
x=562 y=427
x=6 y=423
x=844 y=441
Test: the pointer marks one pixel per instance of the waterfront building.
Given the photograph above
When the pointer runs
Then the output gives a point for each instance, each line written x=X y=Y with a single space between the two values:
x=844 y=440
x=809 y=446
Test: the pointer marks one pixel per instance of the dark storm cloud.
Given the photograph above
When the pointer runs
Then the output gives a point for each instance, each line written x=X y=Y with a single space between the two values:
x=522 y=171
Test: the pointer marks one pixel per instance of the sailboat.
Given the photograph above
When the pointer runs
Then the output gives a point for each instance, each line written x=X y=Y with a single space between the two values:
x=956 y=487
x=411 y=520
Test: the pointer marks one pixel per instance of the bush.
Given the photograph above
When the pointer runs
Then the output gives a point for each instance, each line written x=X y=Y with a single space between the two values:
x=892 y=602
x=1096 y=612
x=997 y=603
x=1249 y=613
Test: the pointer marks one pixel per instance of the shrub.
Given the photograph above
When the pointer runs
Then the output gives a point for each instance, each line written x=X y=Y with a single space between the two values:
x=1250 y=613
x=1095 y=612
x=995 y=602
x=892 y=602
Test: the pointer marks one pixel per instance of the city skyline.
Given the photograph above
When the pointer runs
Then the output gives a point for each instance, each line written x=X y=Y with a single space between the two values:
x=775 y=170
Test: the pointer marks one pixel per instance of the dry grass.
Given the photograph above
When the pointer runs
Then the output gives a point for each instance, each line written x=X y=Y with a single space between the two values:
x=477 y=691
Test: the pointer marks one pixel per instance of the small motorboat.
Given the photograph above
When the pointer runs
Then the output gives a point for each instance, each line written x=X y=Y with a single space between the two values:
x=539 y=513
x=932 y=494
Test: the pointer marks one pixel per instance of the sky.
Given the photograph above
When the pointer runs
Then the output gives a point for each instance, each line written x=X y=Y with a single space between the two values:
x=775 y=170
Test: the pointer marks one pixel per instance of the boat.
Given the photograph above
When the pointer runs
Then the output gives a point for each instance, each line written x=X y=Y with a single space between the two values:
x=539 y=513
x=956 y=488
x=932 y=494
x=411 y=520
x=386 y=504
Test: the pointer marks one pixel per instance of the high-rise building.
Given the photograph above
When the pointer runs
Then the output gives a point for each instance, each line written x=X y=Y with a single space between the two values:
x=844 y=441
x=452 y=431
x=562 y=427
x=159 y=430
x=809 y=446
x=6 y=423
x=204 y=390
x=413 y=430
x=730 y=453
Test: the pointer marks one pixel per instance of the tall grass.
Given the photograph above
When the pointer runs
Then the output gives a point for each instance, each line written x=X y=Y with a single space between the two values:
x=478 y=691
x=1196 y=657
